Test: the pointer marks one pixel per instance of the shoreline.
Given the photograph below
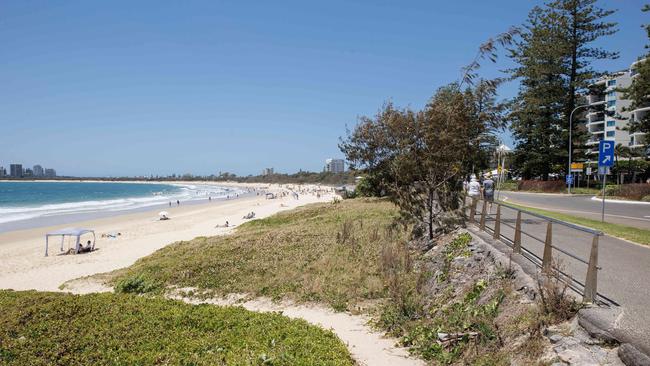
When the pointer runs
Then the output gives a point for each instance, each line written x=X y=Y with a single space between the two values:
x=71 y=218
x=25 y=267
x=59 y=218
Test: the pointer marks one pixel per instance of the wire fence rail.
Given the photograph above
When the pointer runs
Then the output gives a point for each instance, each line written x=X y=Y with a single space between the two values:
x=587 y=288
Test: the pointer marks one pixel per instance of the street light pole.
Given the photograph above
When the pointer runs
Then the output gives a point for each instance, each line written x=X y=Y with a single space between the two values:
x=571 y=142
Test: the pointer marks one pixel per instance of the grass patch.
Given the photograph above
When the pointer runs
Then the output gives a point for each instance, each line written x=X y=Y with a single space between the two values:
x=637 y=235
x=39 y=328
x=532 y=188
x=323 y=252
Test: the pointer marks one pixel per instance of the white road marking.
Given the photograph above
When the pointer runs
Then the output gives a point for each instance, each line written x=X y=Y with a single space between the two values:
x=586 y=212
x=608 y=200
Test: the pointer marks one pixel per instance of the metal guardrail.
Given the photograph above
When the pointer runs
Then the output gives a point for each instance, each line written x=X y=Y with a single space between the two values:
x=588 y=289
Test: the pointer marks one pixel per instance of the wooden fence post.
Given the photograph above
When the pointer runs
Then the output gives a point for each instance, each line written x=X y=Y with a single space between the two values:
x=591 y=282
x=548 y=254
x=517 y=242
x=483 y=214
x=472 y=210
x=497 y=224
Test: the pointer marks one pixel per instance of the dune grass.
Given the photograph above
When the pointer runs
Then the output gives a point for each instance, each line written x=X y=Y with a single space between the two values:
x=634 y=234
x=323 y=252
x=39 y=328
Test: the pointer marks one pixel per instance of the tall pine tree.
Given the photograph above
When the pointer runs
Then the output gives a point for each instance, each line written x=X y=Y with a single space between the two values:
x=553 y=58
x=536 y=111
x=639 y=92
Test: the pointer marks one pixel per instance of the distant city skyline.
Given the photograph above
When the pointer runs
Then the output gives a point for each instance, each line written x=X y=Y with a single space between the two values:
x=18 y=170
x=138 y=88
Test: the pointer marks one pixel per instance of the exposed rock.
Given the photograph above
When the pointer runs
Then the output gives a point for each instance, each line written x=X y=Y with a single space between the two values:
x=555 y=338
x=574 y=346
x=632 y=356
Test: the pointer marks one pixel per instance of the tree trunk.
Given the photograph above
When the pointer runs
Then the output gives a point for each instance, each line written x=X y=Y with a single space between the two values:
x=571 y=103
x=430 y=204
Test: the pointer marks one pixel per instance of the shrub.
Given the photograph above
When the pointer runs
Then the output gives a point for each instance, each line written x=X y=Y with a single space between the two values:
x=646 y=198
x=549 y=186
x=636 y=191
x=137 y=284
x=553 y=300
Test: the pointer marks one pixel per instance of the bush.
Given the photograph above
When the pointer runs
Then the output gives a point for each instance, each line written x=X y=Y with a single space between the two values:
x=646 y=198
x=549 y=186
x=138 y=284
x=553 y=300
x=636 y=191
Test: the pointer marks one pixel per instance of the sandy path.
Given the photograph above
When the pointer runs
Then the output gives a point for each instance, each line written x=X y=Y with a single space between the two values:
x=367 y=346
x=23 y=265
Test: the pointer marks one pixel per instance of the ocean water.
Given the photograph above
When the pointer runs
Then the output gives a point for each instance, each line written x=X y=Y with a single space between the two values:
x=30 y=200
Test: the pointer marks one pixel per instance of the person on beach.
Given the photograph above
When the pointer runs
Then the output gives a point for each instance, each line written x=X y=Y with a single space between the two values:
x=85 y=249
x=170 y=203
x=178 y=203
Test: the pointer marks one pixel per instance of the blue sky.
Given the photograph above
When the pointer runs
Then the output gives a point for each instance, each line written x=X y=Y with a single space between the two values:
x=154 y=87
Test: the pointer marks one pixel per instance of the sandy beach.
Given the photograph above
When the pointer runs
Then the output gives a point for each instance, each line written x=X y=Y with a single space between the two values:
x=24 y=265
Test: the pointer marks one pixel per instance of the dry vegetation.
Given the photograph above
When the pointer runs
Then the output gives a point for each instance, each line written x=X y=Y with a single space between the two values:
x=324 y=252
x=451 y=304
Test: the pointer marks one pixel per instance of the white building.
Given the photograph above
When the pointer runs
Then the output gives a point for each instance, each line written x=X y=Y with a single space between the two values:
x=267 y=171
x=334 y=165
x=637 y=139
x=608 y=114
x=606 y=117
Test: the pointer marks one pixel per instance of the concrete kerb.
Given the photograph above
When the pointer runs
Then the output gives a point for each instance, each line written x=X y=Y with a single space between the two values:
x=599 y=322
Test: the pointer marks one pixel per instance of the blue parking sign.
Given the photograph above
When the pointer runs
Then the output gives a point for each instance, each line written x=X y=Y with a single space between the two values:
x=606 y=153
x=569 y=179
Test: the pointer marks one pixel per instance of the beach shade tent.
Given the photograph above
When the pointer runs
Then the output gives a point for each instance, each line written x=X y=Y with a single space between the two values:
x=69 y=232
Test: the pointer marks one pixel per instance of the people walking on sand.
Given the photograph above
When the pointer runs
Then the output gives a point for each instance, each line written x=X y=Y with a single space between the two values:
x=170 y=203
x=178 y=203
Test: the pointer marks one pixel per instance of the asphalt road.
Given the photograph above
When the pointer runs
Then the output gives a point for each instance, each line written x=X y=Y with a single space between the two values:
x=625 y=267
x=626 y=213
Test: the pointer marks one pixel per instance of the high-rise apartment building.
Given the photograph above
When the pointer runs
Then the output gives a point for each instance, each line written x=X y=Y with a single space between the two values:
x=609 y=113
x=16 y=170
x=334 y=165
x=638 y=139
x=50 y=173
x=267 y=171
x=38 y=171
x=606 y=116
